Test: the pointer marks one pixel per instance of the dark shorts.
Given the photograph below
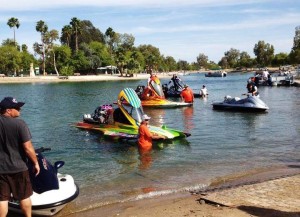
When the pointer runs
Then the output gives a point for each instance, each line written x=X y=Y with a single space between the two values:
x=16 y=184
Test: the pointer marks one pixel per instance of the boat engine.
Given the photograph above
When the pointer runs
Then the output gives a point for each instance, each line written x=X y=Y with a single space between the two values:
x=102 y=113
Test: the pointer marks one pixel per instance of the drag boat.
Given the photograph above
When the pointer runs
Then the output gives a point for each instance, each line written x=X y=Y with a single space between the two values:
x=153 y=96
x=248 y=104
x=124 y=121
x=51 y=190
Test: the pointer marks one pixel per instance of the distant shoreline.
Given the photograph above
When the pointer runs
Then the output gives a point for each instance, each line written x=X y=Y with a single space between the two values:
x=80 y=78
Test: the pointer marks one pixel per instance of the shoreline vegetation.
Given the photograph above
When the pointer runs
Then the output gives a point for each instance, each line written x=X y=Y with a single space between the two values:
x=103 y=77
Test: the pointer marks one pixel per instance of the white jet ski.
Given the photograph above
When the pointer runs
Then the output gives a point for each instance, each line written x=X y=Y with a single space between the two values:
x=52 y=190
x=248 y=104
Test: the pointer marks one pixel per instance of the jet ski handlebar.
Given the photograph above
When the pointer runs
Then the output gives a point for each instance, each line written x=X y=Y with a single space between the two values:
x=42 y=149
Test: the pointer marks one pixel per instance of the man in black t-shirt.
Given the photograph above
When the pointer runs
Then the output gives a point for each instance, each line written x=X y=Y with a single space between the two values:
x=15 y=150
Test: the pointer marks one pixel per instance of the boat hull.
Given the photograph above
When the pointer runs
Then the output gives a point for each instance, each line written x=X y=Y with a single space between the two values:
x=128 y=132
x=163 y=103
x=51 y=202
x=228 y=107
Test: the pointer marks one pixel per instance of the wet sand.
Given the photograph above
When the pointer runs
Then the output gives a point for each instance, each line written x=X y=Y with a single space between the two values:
x=262 y=193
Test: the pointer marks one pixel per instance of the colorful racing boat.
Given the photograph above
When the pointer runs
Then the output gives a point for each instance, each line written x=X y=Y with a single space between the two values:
x=153 y=96
x=123 y=122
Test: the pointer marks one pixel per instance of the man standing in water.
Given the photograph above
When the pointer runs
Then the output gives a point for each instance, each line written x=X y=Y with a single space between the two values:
x=203 y=92
x=15 y=150
x=187 y=94
x=145 y=136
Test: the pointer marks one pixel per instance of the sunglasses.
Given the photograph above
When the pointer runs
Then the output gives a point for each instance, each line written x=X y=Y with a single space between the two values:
x=18 y=109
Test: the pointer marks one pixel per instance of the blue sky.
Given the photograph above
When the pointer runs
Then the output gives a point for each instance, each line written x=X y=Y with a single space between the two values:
x=181 y=29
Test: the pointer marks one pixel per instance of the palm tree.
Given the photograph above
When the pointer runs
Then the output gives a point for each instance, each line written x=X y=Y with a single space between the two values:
x=66 y=34
x=13 y=23
x=75 y=23
x=42 y=27
x=110 y=35
x=50 y=37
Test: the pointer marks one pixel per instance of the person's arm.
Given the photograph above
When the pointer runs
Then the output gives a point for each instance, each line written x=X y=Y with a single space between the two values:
x=30 y=152
x=156 y=136
x=153 y=135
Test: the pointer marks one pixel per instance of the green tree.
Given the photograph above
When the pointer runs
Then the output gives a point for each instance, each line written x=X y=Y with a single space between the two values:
x=76 y=26
x=41 y=27
x=120 y=59
x=63 y=58
x=80 y=62
x=294 y=55
x=66 y=34
x=264 y=53
x=245 y=60
x=280 y=59
x=127 y=41
x=49 y=39
x=202 y=60
x=151 y=55
x=183 y=65
x=232 y=57
x=26 y=60
x=102 y=52
x=110 y=38
x=223 y=63
x=14 y=23
x=8 y=42
x=10 y=59
x=89 y=33
x=170 y=63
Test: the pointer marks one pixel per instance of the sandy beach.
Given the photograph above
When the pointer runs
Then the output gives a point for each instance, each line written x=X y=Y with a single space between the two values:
x=81 y=78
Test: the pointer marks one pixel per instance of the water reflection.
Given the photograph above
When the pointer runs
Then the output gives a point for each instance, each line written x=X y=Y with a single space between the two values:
x=145 y=159
x=157 y=116
x=188 y=114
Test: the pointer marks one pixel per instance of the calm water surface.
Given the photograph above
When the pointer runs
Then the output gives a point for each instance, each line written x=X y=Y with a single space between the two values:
x=222 y=143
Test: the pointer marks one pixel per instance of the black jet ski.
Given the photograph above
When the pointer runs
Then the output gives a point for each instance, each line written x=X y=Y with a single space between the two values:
x=171 y=92
x=52 y=190
x=248 y=104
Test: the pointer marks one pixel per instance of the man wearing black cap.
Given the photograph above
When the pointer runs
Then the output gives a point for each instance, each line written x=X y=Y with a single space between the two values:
x=15 y=150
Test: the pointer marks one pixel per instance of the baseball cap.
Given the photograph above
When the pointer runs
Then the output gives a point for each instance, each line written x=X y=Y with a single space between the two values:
x=10 y=102
x=145 y=117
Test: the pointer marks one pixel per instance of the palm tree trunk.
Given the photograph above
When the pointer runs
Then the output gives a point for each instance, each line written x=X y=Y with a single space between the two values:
x=54 y=63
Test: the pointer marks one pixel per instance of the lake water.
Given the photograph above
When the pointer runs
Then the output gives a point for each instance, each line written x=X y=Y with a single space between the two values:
x=223 y=144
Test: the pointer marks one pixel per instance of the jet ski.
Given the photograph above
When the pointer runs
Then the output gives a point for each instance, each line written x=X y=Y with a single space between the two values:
x=124 y=121
x=153 y=96
x=248 y=104
x=173 y=93
x=51 y=190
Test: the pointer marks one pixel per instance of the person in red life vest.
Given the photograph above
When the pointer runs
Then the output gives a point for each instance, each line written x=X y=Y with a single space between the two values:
x=187 y=94
x=145 y=136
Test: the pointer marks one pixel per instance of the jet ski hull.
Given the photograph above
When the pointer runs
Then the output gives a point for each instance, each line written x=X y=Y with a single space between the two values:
x=51 y=202
x=228 y=107
x=249 y=104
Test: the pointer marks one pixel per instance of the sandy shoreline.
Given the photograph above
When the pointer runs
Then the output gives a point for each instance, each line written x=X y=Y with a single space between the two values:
x=81 y=78
x=266 y=193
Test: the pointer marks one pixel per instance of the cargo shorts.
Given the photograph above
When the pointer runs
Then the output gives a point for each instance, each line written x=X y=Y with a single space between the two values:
x=17 y=185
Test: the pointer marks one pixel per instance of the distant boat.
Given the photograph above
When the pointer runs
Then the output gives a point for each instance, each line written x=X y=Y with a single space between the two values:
x=216 y=74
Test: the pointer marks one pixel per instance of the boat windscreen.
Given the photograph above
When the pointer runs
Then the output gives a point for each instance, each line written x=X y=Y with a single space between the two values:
x=157 y=88
x=135 y=113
